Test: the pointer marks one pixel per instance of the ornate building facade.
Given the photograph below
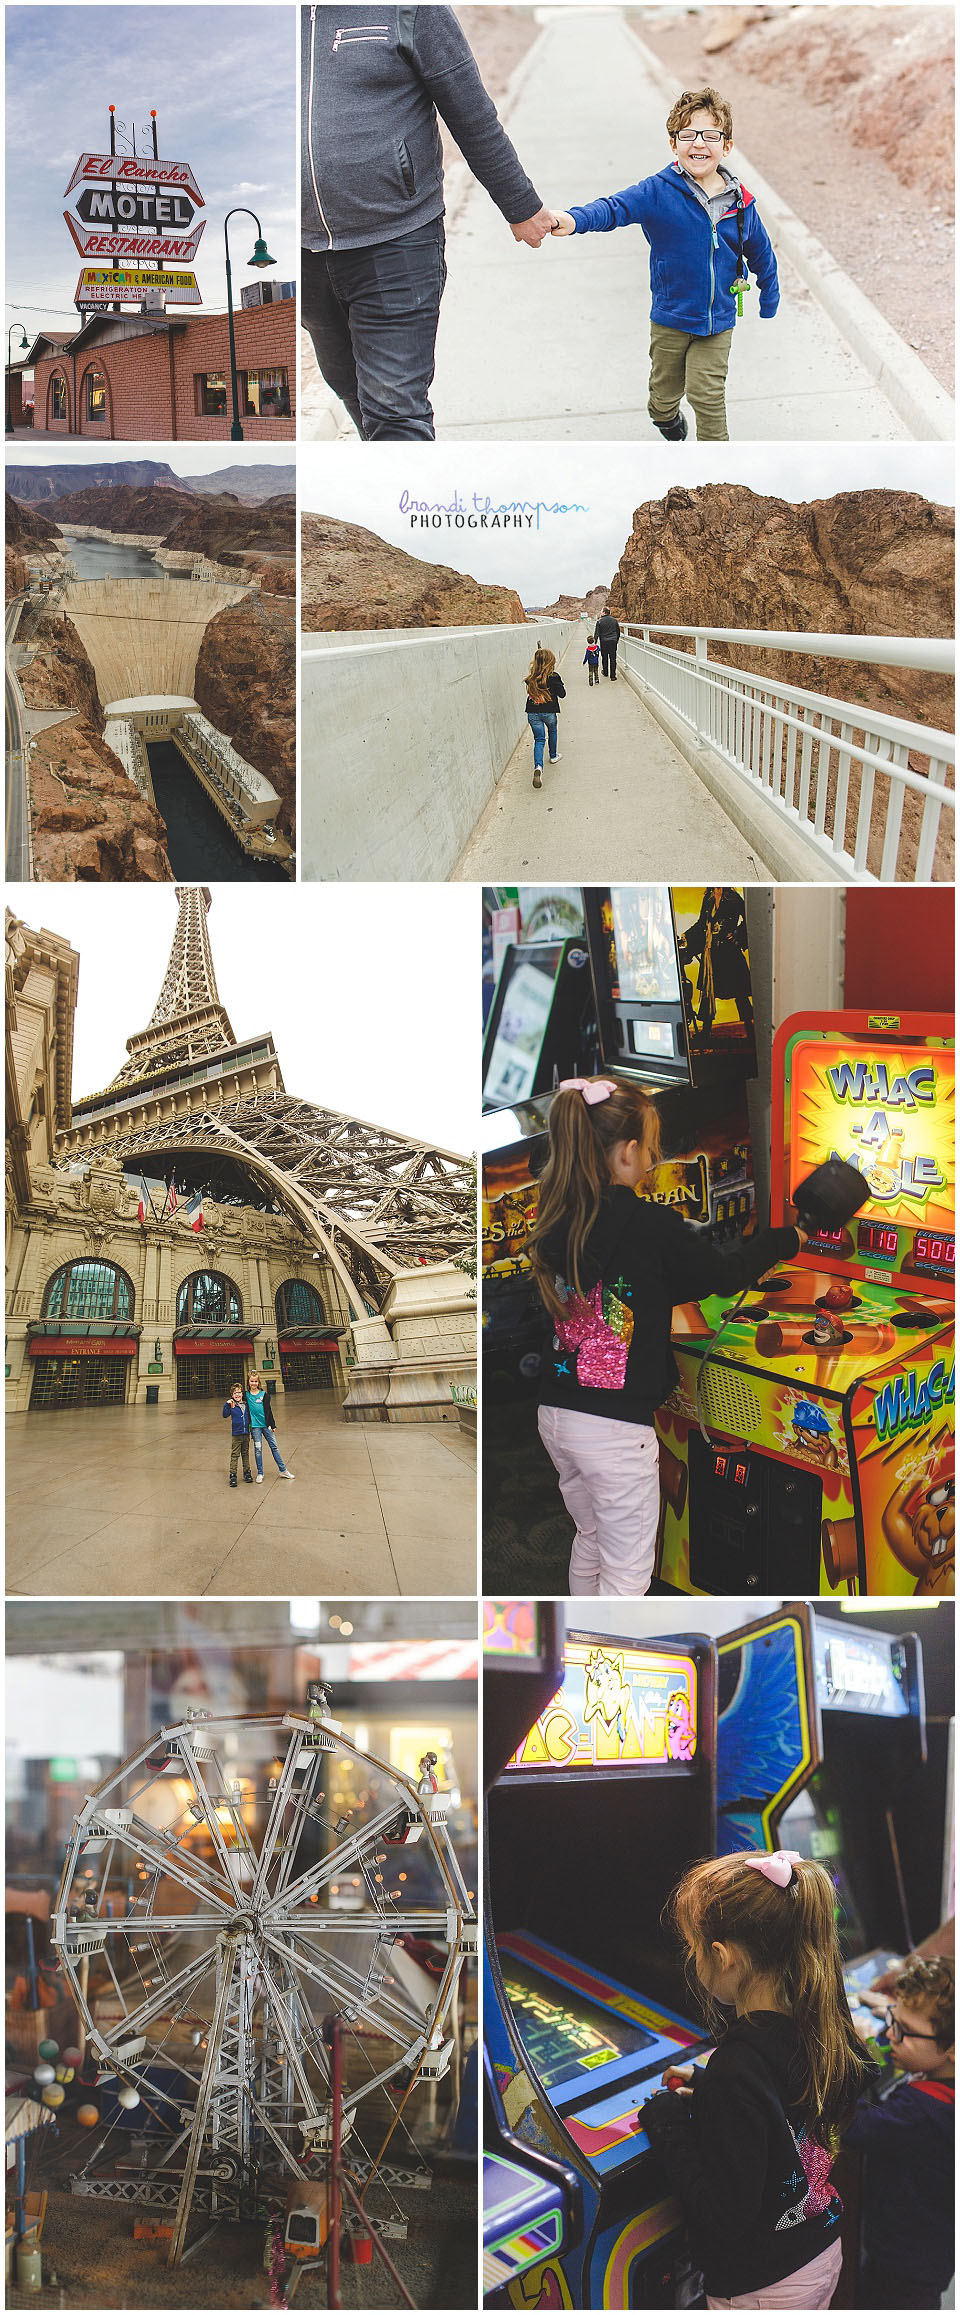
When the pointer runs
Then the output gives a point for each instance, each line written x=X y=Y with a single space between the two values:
x=192 y=1219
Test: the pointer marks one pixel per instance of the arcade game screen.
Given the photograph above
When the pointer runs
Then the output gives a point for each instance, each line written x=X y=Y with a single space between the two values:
x=565 y=2039
x=525 y=1012
x=642 y=944
x=813 y=1827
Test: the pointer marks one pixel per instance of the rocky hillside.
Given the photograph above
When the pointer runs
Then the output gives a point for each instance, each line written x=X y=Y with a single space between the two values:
x=225 y=530
x=351 y=578
x=251 y=482
x=867 y=562
x=24 y=527
x=246 y=683
x=575 y=606
x=89 y=823
x=135 y=511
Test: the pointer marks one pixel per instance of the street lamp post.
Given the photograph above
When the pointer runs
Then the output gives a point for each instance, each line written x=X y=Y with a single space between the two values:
x=261 y=257
x=24 y=343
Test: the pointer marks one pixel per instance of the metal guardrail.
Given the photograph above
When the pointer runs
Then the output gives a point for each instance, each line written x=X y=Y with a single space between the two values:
x=871 y=792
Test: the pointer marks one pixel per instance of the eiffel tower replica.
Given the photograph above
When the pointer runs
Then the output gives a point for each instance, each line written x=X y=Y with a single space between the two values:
x=193 y=1103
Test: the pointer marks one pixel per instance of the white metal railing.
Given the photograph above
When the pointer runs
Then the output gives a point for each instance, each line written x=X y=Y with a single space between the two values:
x=872 y=793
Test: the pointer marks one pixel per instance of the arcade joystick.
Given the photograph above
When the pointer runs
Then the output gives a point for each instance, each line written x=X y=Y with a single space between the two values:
x=830 y=1196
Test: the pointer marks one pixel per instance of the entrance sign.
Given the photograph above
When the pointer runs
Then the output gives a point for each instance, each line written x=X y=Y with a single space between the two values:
x=99 y=286
x=133 y=169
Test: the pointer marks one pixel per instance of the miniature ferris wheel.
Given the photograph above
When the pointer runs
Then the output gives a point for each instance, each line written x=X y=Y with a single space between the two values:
x=232 y=1890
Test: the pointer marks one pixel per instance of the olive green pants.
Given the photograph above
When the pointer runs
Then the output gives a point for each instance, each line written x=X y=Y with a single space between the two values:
x=695 y=367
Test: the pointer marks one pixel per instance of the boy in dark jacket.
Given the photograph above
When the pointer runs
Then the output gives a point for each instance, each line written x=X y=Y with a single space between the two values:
x=704 y=232
x=236 y=1407
x=907 y=2139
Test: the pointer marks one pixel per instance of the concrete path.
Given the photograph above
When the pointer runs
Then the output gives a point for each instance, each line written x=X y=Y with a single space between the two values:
x=552 y=345
x=135 y=1501
x=622 y=800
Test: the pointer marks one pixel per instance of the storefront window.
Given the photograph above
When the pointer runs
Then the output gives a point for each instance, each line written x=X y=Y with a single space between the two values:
x=210 y=394
x=298 y=1304
x=264 y=393
x=207 y=1298
x=58 y=397
x=96 y=402
x=89 y=1290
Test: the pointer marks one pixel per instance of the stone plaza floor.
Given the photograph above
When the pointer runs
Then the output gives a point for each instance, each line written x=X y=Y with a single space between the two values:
x=124 y=1501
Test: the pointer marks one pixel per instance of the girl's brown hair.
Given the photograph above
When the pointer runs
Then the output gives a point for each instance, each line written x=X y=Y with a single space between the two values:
x=577 y=1173
x=541 y=665
x=790 y=1936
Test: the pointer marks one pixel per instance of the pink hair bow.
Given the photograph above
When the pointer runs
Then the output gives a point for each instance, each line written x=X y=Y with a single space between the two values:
x=778 y=1867
x=592 y=1088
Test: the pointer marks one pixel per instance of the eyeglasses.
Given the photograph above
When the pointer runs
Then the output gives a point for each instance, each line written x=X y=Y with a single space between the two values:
x=899 y=2033
x=700 y=137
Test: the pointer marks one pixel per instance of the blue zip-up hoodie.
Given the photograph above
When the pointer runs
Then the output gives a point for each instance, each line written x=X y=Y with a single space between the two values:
x=692 y=261
x=239 y=1417
x=908 y=2141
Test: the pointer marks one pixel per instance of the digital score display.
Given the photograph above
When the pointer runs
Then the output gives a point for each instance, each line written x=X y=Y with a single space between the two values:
x=733 y=1468
x=563 y=2035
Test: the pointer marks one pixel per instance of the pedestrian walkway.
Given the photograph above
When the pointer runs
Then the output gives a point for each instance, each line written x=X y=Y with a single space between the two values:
x=552 y=344
x=135 y=1501
x=622 y=800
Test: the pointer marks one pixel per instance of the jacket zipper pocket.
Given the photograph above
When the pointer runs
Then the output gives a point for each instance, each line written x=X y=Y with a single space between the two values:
x=406 y=169
x=345 y=37
x=313 y=173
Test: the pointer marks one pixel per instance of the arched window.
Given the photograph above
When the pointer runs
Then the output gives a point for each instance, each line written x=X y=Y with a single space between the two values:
x=95 y=397
x=207 y=1298
x=89 y=1290
x=298 y=1304
x=58 y=395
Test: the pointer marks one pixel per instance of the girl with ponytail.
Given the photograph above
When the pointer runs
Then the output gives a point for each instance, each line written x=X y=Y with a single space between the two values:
x=747 y=2141
x=610 y=1267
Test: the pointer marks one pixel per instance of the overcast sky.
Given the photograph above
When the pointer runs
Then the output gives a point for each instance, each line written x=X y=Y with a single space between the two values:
x=370 y=990
x=183 y=457
x=222 y=82
x=601 y=483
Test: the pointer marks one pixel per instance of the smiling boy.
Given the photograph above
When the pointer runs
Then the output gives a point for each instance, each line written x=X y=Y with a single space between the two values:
x=704 y=232
x=908 y=2142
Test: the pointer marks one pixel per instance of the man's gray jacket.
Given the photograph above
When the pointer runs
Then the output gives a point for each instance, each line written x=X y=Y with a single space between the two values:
x=374 y=80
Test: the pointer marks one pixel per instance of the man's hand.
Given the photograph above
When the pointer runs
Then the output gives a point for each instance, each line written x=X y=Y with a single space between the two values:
x=533 y=230
x=563 y=222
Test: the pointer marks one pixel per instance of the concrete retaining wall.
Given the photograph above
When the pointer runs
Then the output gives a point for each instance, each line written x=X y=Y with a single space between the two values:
x=403 y=741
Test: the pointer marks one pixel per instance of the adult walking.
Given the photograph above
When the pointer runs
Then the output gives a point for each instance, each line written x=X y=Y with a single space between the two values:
x=608 y=636
x=544 y=693
x=373 y=269
x=263 y=1426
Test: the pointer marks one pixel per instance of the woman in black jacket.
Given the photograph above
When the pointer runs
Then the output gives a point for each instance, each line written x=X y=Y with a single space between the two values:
x=544 y=693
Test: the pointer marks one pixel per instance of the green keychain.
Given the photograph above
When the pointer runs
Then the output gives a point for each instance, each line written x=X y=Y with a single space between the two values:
x=737 y=289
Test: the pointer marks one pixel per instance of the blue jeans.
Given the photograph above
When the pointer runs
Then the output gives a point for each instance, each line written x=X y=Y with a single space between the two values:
x=543 y=725
x=258 y=1438
x=372 y=314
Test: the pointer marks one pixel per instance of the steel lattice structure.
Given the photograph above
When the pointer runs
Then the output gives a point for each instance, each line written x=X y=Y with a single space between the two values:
x=378 y=1203
x=226 y=1891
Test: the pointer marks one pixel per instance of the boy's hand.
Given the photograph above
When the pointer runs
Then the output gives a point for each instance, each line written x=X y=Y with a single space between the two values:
x=563 y=223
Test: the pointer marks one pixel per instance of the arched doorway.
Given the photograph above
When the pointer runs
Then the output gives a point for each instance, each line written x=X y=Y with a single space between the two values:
x=84 y=1370
x=307 y=1348
x=211 y=1349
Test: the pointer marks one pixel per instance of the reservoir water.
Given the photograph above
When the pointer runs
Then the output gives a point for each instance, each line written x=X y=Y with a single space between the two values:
x=199 y=842
x=109 y=558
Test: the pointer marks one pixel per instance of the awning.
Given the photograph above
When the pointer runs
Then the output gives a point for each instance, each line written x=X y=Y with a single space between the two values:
x=85 y=1329
x=193 y=1346
x=81 y=1346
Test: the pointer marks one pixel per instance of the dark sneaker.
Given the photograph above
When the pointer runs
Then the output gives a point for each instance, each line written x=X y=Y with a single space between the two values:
x=672 y=429
x=233 y=1478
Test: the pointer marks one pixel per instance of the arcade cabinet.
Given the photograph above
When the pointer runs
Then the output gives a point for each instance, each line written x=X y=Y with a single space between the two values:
x=820 y=1737
x=814 y=1417
x=532 y=2203
x=594 y=1815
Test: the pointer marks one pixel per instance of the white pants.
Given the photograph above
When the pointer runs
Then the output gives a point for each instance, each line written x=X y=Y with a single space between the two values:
x=810 y=2286
x=609 y=1481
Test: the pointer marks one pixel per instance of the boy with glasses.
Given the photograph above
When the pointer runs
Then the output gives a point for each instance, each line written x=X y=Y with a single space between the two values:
x=704 y=232
x=907 y=2138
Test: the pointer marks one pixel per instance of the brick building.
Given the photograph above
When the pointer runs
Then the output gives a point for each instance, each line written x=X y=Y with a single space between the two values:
x=166 y=378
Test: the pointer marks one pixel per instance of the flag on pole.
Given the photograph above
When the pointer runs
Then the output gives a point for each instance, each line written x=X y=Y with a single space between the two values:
x=170 y=1204
x=194 y=1212
x=143 y=1200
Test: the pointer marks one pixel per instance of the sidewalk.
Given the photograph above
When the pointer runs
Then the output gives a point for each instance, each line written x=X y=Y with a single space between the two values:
x=551 y=345
x=131 y=1501
x=622 y=798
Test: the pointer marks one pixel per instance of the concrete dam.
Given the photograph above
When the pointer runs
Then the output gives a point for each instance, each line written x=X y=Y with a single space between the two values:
x=143 y=636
